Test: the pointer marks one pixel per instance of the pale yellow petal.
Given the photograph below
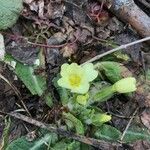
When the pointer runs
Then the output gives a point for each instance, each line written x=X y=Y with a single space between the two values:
x=82 y=89
x=63 y=82
x=90 y=72
x=75 y=69
x=64 y=69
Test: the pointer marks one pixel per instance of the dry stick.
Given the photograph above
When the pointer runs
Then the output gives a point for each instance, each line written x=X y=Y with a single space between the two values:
x=130 y=13
x=40 y=44
x=116 y=49
x=128 y=125
x=90 y=141
x=16 y=92
x=47 y=46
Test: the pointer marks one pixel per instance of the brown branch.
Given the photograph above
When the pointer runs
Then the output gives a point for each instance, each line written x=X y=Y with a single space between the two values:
x=130 y=13
x=129 y=123
x=116 y=49
x=145 y=3
x=18 y=94
x=39 y=44
x=47 y=46
x=90 y=141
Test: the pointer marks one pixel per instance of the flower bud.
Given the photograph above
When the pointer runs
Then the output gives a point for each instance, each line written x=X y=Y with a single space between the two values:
x=125 y=85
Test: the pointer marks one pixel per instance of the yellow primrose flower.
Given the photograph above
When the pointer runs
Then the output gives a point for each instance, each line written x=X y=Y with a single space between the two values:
x=125 y=85
x=76 y=77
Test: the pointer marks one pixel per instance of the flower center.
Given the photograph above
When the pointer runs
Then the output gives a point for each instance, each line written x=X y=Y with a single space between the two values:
x=75 y=80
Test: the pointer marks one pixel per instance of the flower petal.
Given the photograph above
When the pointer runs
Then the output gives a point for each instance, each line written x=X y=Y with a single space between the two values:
x=64 y=69
x=75 y=68
x=84 y=87
x=90 y=72
x=63 y=82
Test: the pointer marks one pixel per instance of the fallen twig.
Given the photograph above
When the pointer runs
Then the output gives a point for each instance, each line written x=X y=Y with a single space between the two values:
x=129 y=123
x=130 y=13
x=145 y=3
x=39 y=44
x=90 y=141
x=116 y=49
x=16 y=92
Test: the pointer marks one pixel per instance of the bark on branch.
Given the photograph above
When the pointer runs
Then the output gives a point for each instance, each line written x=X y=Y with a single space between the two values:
x=130 y=13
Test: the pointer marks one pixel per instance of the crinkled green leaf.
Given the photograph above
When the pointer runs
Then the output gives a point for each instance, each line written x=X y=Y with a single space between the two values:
x=48 y=99
x=35 y=83
x=107 y=132
x=9 y=12
x=112 y=70
x=83 y=113
x=60 y=146
x=121 y=55
x=38 y=144
x=86 y=147
x=135 y=133
x=66 y=144
x=63 y=93
x=5 y=136
x=90 y=115
x=20 y=144
x=74 y=145
x=76 y=122
x=100 y=118
x=100 y=92
x=103 y=94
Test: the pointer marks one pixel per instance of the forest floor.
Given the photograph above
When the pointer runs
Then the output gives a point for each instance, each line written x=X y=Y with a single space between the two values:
x=50 y=33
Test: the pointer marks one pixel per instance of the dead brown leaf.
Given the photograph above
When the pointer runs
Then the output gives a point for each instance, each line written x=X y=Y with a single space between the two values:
x=141 y=145
x=145 y=117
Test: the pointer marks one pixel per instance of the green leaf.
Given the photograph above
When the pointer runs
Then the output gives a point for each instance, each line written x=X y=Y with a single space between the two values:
x=135 y=133
x=107 y=132
x=48 y=99
x=86 y=147
x=60 y=146
x=90 y=115
x=20 y=144
x=66 y=144
x=103 y=95
x=148 y=74
x=76 y=122
x=112 y=70
x=121 y=56
x=5 y=136
x=100 y=118
x=63 y=93
x=74 y=146
x=83 y=113
x=100 y=92
x=39 y=144
x=9 y=12
x=36 y=84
